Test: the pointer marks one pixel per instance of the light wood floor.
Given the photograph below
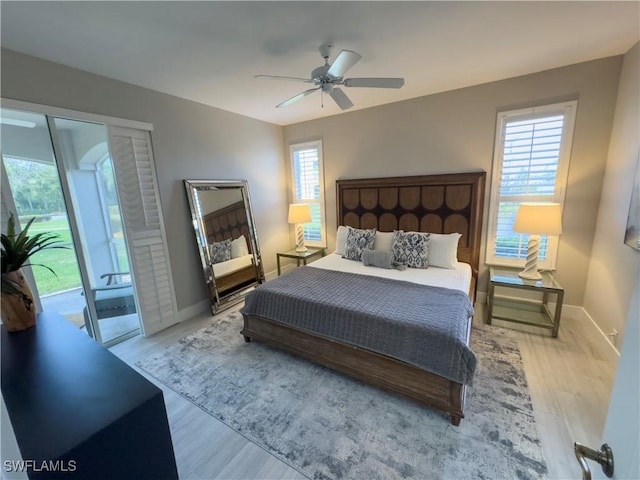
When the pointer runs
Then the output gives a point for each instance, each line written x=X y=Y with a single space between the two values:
x=569 y=380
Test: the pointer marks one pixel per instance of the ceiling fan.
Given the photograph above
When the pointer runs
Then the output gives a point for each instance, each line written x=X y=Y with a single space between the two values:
x=327 y=78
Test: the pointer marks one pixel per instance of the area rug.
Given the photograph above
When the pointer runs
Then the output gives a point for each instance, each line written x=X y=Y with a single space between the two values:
x=329 y=426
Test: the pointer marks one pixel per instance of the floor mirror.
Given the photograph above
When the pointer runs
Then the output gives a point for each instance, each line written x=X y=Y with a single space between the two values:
x=226 y=239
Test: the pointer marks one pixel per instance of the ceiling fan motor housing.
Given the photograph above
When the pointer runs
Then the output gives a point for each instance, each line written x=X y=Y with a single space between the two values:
x=319 y=75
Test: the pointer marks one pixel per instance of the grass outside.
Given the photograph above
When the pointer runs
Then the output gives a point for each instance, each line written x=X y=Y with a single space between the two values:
x=61 y=261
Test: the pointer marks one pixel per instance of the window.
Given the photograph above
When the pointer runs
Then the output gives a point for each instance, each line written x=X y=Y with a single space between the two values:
x=308 y=187
x=530 y=164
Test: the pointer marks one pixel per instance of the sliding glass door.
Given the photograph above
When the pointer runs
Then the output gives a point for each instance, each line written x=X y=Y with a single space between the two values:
x=60 y=171
x=30 y=174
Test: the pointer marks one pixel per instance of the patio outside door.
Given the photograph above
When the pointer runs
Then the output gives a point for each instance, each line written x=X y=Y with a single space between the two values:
x=60 y=171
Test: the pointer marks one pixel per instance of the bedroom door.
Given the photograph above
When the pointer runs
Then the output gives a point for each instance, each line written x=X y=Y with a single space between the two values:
x=622 y=428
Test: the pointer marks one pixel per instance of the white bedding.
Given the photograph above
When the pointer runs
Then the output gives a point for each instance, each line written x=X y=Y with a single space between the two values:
x=457 y=279
x=225 y=268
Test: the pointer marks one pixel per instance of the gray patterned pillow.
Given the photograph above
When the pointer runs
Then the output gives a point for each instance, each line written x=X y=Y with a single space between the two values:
x=357 y=241
x=411 y=248
x=220 y=251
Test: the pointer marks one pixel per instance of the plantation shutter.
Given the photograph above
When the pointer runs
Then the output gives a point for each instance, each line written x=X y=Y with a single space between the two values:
x=144 y=227
x=530 y=165
x=308 y=188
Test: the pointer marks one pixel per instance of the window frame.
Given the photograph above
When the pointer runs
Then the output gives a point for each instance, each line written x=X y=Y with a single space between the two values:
x=568 y=110
x=293 y=148
x=114 y=243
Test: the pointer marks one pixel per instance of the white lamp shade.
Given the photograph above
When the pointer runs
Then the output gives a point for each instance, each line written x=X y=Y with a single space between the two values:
x=539 y=219
x=299 y=213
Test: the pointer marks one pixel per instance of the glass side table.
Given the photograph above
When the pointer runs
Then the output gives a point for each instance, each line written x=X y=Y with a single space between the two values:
x=516 y=309
x=299 y=256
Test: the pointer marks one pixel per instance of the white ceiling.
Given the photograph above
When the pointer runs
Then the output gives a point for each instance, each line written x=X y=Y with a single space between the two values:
x=209 y=52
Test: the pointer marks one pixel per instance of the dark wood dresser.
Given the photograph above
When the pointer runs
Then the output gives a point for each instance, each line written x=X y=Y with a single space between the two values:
x=78 y=411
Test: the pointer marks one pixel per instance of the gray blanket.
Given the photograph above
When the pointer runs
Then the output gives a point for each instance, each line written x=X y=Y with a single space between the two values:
x=418 y=324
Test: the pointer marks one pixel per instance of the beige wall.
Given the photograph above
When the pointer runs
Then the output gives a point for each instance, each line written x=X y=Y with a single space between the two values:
x=190 y=140
x=614 y=266
x=454 y=132
x=447 y=132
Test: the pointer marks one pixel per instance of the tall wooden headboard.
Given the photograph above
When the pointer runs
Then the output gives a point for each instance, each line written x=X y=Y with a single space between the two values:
x=427 y=203
x=228 y=222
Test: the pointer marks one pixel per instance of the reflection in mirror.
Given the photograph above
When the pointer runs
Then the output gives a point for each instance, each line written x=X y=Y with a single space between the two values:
x=226 y=239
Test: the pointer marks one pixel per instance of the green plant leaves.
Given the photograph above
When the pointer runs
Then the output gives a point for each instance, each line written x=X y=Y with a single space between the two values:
x=18 y=248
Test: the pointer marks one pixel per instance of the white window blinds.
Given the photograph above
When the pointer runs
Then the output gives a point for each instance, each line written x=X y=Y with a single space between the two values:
x=308 y=187
x=530 y=165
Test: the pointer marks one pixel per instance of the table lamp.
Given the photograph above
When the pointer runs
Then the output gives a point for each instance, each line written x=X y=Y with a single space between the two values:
x=537 y=219
x=299 y=213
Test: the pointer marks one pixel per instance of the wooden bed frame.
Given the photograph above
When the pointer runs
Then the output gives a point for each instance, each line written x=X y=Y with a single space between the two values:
x=230 y=222
x=435 y=203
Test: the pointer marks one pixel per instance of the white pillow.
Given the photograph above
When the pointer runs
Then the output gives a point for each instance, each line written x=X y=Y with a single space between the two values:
x=341 y=239
x=443 y=250
x=239 y=247
x=383 y=241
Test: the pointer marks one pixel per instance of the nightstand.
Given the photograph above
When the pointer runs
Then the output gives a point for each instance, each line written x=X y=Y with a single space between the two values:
x=521 y=310
x=300 y=256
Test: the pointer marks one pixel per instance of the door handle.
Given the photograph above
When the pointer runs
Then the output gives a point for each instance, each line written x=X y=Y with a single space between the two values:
x=604 y=457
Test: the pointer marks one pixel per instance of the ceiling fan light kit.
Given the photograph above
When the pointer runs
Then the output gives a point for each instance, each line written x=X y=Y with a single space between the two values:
x=328 y=76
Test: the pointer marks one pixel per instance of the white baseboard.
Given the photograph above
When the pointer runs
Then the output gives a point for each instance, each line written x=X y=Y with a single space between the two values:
x=575 y=312
x=204 y=306
x=607 y=347
x=271 y=275
x=274 y=273
x=194 y=310
x=572 y=311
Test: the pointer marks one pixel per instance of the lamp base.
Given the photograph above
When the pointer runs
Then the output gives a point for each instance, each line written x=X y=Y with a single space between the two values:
x=300 y=246
x=530 y=271
x=535 y=275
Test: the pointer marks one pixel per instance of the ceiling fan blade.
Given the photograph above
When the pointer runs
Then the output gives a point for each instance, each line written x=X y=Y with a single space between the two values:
x=299 y=96
x=341 y=98
x=279 y=77
x=343 y=62
x=374 y=82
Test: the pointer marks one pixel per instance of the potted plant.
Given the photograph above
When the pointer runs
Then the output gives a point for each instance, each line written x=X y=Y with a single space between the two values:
x=18 y=310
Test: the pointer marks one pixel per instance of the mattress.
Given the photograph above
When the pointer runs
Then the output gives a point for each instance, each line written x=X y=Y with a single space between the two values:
x=225 y=268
